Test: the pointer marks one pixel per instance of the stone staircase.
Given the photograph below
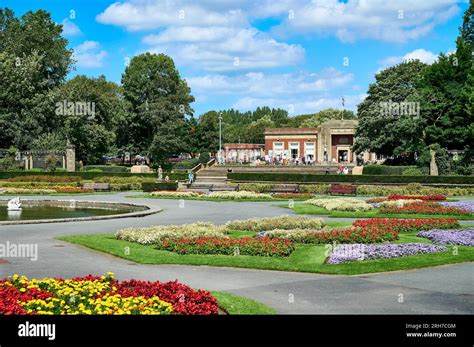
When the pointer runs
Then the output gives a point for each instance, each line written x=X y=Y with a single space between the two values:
x=213 y=178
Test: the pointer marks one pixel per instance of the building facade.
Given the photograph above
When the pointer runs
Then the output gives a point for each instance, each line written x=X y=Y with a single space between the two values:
x=331 y=142
x=242 y=152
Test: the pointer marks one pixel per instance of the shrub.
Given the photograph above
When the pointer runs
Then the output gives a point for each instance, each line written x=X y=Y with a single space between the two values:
x=27 y=191
x=388 y=170
x=242 y=246
x=204 y=157
x=154 y=186
x=407 y=225
x=303 y=178
x=45 y=178
x=237 y=195
x=106 y=168
x=186 y=164
x=340 y=204
x=376 y=190
x=154 y=234
x=412 y=172
x=271 y=223
x=87 y=175
x=124 y=183
x=177 y=194
x=293 y=195
x=256 y=187
x=320 y=189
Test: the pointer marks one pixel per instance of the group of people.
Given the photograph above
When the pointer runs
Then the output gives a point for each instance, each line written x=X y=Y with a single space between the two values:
x=282 y=160
x=342 y=170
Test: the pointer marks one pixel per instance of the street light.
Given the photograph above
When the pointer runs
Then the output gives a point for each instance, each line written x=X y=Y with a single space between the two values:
x=220 y=138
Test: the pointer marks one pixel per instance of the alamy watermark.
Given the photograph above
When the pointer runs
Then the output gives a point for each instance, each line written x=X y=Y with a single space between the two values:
x=19 y=250
x=76 y=108
x=404 y=108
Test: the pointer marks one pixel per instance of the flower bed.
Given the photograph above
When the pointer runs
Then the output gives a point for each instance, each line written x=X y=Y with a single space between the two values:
x=242 y=246
x=292 y=195
x=349 y=235
x=434 y=197
x=407 y=225
x=152 y=235
x=176 y=194
x=271 y=223
x=458 y=204
x=93 y=295
x=424 y=208
x=359 y=252
x=26 y=191
x=74 y=190
x=341 y=204
x=237 y=195
x=396 y=203
x=464 y=237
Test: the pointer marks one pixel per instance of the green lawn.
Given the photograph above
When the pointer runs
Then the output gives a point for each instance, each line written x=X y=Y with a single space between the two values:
x=233 y=304
x=311 y=209
x=305 y=258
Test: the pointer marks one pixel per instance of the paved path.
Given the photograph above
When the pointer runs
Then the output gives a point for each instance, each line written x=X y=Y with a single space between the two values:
x=445 y=289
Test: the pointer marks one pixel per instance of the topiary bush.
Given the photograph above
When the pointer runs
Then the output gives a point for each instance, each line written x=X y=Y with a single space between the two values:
x=412 y=172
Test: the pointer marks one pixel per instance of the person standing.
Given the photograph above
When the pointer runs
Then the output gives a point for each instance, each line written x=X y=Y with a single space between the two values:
x=190 y=177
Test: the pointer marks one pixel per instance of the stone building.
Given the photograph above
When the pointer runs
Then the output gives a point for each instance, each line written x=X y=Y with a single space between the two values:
x=242 y=152
x=331 y=142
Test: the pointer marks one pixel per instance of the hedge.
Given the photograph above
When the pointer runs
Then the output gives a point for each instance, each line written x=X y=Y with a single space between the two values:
x=86 y=175
x=154 y=186
x=300 y=178
x=387 y=170
x=107 y=168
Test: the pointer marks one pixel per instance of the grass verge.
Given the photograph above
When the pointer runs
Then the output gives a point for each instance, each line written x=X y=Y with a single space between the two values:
x=234 y=304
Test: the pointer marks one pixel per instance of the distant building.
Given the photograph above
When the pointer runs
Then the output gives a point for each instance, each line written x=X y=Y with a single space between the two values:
x=331 y=142
x=243 y=152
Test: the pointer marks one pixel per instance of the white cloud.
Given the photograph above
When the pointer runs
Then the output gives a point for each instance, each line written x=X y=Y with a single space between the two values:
x=70 y=28
x=392 y=21
x=420 y=54
x=224 y=48
x=89 y=55
x=258 y=84
x=301 y=92
x=136 y=15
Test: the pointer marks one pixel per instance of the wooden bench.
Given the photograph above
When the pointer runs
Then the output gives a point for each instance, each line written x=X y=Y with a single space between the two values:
x=96 y=186
x=342 y=189
x=286 y=188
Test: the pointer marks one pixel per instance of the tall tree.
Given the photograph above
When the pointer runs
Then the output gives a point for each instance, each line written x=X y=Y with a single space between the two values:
x=90 y=109
x=381 y=129
x=159 y=100
x=322 y=116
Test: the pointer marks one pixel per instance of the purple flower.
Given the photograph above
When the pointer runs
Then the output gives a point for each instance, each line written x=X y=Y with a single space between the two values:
x=357 y=252
x=464 y=237
x=458 y=204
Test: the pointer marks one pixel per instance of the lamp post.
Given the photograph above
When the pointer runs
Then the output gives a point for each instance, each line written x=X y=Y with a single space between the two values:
x=220 y=138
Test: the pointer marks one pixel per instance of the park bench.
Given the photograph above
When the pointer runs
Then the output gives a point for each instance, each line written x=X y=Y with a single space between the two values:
x=96 y=186
x=342 y=189
x=285 y=188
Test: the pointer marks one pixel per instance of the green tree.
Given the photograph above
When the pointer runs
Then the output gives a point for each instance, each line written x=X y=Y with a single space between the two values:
x=26 y=102
x=159 y=100
x=382 y=130
x=36 y=32
x=90 y=129
x=322 y=116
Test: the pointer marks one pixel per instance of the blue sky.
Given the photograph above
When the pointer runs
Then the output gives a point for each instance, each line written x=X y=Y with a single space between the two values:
x=300 y=55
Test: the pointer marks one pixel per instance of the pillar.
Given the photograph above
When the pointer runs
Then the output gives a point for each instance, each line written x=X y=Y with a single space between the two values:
x=71 y=158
